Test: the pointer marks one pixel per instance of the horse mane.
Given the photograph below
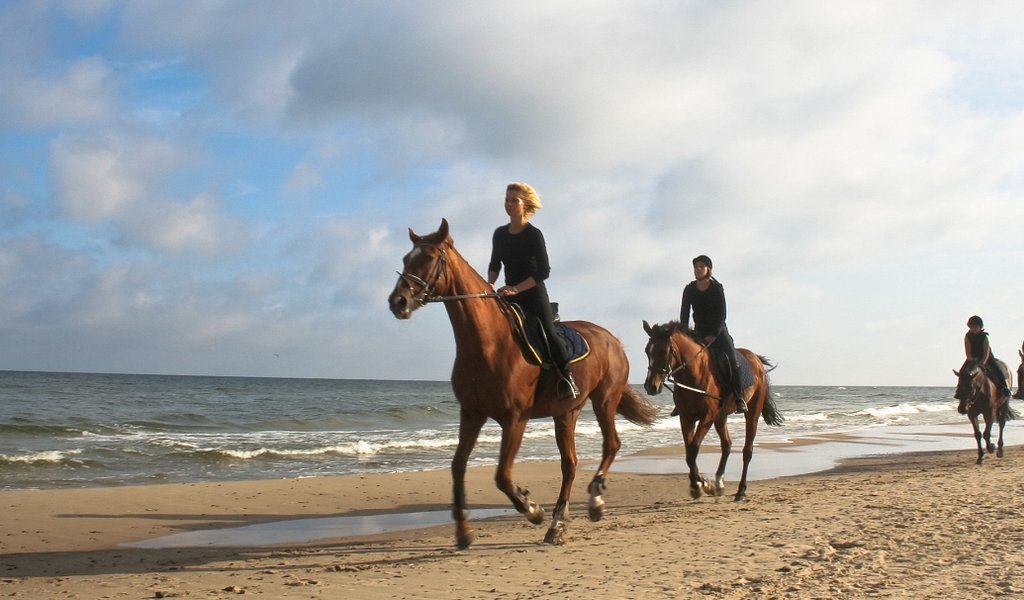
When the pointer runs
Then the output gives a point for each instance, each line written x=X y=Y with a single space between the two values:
x=664 y=331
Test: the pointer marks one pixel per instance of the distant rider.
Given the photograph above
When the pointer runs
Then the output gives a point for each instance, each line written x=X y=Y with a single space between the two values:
x=977 y=347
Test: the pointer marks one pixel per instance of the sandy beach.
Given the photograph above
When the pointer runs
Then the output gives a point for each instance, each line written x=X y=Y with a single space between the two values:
x=912 y=525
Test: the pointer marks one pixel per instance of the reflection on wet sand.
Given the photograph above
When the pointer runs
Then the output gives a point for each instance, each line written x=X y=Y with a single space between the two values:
x=307 y=530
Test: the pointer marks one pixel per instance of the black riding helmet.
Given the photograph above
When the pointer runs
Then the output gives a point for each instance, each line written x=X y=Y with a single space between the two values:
x=704 y=259
x=975 y=320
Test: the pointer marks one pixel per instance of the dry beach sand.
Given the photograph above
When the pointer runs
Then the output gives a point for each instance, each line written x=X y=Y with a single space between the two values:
x=920 y=525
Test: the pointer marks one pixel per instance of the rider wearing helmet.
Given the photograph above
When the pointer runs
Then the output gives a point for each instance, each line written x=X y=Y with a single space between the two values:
x=977 y=348
x=706 y=296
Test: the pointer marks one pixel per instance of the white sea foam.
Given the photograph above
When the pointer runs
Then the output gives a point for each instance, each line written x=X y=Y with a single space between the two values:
x=45 y=456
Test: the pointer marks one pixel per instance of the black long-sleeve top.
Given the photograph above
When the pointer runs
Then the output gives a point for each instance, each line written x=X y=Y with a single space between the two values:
x=978 y=347
x=708 y=308
x=523 y=254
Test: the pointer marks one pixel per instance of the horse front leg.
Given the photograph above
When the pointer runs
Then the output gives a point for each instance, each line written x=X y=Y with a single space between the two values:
x=721 y=427
x=977 y=439
x=511 y=440
x=692 y=438
x=565 y=437
x=469 y=430
x=989 y=446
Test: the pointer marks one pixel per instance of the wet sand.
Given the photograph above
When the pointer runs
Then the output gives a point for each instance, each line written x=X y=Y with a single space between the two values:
x=900 y=524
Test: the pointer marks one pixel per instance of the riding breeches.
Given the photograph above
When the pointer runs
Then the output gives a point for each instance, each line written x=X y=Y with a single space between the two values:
x=724 y=348
x=535 y=303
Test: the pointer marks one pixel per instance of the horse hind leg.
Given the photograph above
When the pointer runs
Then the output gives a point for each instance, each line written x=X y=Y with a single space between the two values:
x=596 y=489
x=999 y=447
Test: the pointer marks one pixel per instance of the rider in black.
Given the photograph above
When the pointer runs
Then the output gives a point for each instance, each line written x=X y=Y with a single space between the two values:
x=977 y=348
x=520 y=247
x=706 y=296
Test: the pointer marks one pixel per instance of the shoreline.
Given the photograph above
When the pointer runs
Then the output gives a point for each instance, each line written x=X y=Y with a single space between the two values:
x=909 y=523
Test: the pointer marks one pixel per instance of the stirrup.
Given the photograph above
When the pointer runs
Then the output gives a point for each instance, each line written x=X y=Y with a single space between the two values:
x=567 y=387
x=741 y=404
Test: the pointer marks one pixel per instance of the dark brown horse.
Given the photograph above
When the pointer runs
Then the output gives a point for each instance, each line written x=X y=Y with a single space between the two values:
x=1020 y=377
x=492 y=379
x=979 y=396
x=675 y=355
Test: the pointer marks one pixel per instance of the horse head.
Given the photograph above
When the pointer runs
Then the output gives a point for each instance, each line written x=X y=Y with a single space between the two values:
x=965 y=382
x=425 y=269
x=661 y=356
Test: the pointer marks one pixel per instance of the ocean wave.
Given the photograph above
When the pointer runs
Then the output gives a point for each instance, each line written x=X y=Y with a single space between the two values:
x=905 y=409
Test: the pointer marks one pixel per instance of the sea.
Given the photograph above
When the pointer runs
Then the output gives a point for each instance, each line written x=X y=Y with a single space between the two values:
x=77 y=430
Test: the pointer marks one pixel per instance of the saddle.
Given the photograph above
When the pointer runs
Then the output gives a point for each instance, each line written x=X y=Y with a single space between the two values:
x=533 y=344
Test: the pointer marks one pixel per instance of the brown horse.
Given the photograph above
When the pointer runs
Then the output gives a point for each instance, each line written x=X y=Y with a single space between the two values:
x=675 y=355
x=491 y=378
x=979 y=396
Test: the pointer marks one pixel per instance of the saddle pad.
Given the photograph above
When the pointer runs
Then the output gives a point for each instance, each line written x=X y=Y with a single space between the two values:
x=746 y=371
x=721 y=367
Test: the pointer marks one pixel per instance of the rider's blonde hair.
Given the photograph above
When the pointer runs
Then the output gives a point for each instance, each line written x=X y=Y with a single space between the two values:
x=529 y=196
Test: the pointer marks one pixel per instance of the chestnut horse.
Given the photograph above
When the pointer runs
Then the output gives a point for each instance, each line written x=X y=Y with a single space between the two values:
x=675 y=355
x=492 y=379
x=979 y=396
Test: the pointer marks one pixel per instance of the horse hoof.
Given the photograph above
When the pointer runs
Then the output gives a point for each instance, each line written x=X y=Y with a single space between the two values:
x=740 y=498
x=595 y=510
x=695 y=493
x=536 y=514
x=464 y=540
x=999 y=453
x=555 y=535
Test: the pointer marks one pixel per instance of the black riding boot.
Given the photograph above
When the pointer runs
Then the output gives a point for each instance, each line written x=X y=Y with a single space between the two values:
x=741 y=404
x=567 y=389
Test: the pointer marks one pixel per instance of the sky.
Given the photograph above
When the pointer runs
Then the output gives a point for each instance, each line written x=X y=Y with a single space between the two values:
x=226 y=187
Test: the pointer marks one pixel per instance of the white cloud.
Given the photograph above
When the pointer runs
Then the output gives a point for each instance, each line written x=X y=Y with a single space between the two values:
x=197 y=227
x=82 y=92
x=104 y=177
x=854 y=169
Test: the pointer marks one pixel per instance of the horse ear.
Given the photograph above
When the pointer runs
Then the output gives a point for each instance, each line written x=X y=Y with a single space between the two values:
x=442 y=231
x=413 y=237
x=647 y=327
x=955 y=372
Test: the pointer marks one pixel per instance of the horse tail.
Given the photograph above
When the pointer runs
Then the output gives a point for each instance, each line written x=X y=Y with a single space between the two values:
x=770 y=413
x=1009 y=413
x=636 y=408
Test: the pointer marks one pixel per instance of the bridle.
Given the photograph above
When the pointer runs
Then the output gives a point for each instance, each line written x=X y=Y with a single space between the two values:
x=974 y=390
x=670 y=373
x=427 y=286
